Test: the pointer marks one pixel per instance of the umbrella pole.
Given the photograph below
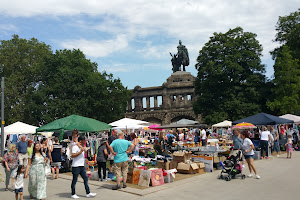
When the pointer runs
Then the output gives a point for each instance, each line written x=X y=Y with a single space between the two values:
x=61 y=135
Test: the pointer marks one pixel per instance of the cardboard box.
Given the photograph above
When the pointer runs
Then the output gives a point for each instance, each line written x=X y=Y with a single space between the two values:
x=184 y=168
x=173 y=165
x=180 y=156
x=208 y=160
x=201 y=166
x=218 y=159
x=201 y=171
x=163 y=165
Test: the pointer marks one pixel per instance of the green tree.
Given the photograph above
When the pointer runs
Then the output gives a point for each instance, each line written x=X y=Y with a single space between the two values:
x=71 y=84
x=288 y=33
x=230 y=77
x=20 y=64
x=287 y=83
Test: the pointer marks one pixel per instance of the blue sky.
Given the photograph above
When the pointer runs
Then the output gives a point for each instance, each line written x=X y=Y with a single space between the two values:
x=132 y=39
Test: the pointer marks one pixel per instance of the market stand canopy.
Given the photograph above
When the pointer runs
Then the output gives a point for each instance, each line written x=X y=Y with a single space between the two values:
x=225 y=123
x=19 y=128
x=129 y=123
x=82 y=124
x=186 y=121
x=294 y=118
x=264 y=119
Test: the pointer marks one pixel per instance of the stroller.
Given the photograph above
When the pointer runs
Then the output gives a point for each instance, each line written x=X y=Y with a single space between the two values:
x=232 y=167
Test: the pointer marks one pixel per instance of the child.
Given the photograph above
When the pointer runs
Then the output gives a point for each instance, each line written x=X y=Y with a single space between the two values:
x=289 y=147
x=19 y=183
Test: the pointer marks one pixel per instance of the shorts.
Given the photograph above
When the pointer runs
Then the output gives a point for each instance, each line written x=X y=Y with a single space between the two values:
x=56 y=164
x=111 y=162
x=17 y=191
x=248 y=156
x=121 y=169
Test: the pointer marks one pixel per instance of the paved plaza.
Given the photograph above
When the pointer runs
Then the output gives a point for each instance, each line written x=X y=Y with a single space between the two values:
x=279 y=180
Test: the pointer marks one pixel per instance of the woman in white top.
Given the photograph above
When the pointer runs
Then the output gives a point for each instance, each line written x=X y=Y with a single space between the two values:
x=248 y=153
x=265 y=137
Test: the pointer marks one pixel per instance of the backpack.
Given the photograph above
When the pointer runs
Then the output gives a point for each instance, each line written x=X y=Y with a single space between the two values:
x=170 y=141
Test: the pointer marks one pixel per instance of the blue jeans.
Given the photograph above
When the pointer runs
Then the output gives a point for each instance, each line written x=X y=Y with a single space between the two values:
x=275 y=147
x=76 y=171
x=264 y=147
x=203 y=142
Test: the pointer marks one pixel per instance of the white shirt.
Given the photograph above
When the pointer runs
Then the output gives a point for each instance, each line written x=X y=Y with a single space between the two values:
x=246 y=146
x=19 y=182
x=265 y=135
x=203 y=133
x=79 y=160
x=181 y=136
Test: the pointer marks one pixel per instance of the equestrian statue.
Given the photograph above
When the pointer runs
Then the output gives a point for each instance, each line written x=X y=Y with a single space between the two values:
x=180 y=58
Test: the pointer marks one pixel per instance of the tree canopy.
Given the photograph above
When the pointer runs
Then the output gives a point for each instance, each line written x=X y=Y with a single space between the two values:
x=230 y=77
x=287 y=66
x=20 y=64
x=288 y=33
x=287 y=82
x=42 y=86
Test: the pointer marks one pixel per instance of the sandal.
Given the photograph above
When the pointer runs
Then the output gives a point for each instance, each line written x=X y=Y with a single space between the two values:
x=6 y=189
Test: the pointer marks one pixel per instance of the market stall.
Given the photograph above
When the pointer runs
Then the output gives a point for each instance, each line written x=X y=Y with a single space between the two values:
x=18 y=128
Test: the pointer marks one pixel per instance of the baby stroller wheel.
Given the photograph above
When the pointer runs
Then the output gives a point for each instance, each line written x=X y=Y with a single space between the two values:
x=220 y=176
x=228 y=178
x=243 y=176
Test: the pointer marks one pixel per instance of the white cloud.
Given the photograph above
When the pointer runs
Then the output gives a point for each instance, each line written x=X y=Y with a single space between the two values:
x=8 y=27
x=192 y=21
x=97 y=49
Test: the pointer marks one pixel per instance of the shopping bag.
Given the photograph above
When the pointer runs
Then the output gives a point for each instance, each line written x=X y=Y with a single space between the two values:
x=145 y=177
x=47 y=169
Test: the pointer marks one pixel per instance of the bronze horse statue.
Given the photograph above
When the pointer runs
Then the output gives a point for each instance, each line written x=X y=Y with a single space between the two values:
x=181 y=58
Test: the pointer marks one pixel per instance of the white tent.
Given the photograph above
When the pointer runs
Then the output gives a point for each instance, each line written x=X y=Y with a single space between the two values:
x=186 y=121
x=225 y=123
x=127 y=123
x=294 y=118
x=19 y=128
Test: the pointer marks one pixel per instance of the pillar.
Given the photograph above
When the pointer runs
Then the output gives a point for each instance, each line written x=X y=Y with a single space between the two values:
x=155 y=102
x=129 y=105
x=147 y=102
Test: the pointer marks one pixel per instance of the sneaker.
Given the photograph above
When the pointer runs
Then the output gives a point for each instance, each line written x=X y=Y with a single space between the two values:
x=91 y=195
x=267 y=158
x=104 y=179
x=124 y=185
x=257 y=177
x=277 y=156
x=261 y=157
x=117 y=187
x=75 y=196
x=250 y=175
x=243 y=166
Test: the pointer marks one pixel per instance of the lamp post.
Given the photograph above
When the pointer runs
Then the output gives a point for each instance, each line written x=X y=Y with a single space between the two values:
x=2 y=117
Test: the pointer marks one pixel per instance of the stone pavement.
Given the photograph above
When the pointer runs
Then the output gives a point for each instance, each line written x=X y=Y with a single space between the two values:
x=279 y=180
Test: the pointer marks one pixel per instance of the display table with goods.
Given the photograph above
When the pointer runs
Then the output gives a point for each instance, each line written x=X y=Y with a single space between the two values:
x=154 y=170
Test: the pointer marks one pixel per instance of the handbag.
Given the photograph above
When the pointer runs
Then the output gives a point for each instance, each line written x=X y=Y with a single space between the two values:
x=47 y=169
x=47 y=166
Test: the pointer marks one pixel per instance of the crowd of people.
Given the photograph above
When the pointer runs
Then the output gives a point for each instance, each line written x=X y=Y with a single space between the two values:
x=26 y=159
